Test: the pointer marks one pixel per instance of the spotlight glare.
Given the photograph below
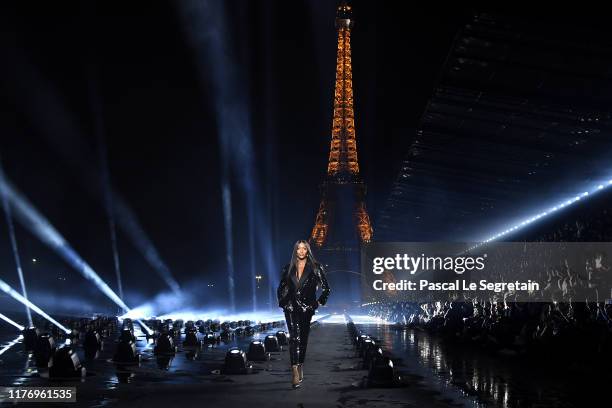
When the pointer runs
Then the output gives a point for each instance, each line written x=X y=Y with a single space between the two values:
x=8 y=320
x=10 y=344
x=544 y=213
x=145 y=328
x=17 y=296
x=46 y=232
x=13 y=238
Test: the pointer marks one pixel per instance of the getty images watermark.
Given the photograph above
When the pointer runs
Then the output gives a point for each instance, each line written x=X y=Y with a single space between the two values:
x=523 y=272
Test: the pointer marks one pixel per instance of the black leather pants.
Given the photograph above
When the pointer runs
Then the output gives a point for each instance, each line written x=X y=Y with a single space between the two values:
x=298 y=325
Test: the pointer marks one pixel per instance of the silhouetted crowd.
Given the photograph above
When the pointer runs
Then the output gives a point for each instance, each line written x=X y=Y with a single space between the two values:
x=559 y=321
x=574 y=328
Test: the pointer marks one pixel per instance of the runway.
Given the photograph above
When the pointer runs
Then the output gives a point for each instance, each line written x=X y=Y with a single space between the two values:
x=431 y=372
x=333 y=377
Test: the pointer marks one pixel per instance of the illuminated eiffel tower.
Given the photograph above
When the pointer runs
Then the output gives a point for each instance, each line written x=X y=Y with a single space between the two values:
x=342 y=223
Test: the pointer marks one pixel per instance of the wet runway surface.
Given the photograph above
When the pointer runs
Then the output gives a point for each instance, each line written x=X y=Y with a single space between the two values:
x=434 y=374
x=491 y=379
x=190 y=365
x=334 y=376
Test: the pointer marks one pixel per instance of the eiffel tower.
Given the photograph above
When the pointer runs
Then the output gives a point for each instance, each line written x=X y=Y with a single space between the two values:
x=342 y=223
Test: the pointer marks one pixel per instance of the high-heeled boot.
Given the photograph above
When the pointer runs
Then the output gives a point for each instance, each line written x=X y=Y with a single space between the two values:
x=295 y=378
x=301 y=371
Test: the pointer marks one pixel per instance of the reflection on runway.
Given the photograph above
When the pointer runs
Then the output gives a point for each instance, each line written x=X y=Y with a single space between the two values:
x=487 y=379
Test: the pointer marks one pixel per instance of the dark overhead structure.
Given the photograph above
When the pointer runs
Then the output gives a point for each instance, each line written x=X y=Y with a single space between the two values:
x=520 y=117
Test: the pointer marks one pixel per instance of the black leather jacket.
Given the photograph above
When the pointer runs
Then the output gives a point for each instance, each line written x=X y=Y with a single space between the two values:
x=293 y=294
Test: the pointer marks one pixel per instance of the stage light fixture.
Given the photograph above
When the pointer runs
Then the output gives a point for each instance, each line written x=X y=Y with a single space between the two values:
x=44 y=351
x=127 y=335
x=372 y=356
x=271 y=343
x=257 y=351
x=30 y=338
x=367 y=344
x=174 y=332
x=359 y=341
x=165 y=345
x=93 y=341
x=282 y=338
x=235 y=362
x=66 y=364
x=126 y=353
x=191 y=338
x=382 y=373
x=128 y=324
x=210 y=338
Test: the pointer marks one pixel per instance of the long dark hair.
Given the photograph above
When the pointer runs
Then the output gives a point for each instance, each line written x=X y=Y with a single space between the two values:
x=309 y=256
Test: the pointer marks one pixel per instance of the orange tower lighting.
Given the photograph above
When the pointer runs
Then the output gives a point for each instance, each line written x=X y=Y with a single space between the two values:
x=343 y=166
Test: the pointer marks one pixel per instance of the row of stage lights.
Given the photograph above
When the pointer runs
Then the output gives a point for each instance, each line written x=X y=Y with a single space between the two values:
x=381 y=370
x=543 y=214
x=63 y=362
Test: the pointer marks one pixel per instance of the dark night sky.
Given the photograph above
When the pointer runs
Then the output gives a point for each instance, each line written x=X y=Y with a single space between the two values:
x=157 y=113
